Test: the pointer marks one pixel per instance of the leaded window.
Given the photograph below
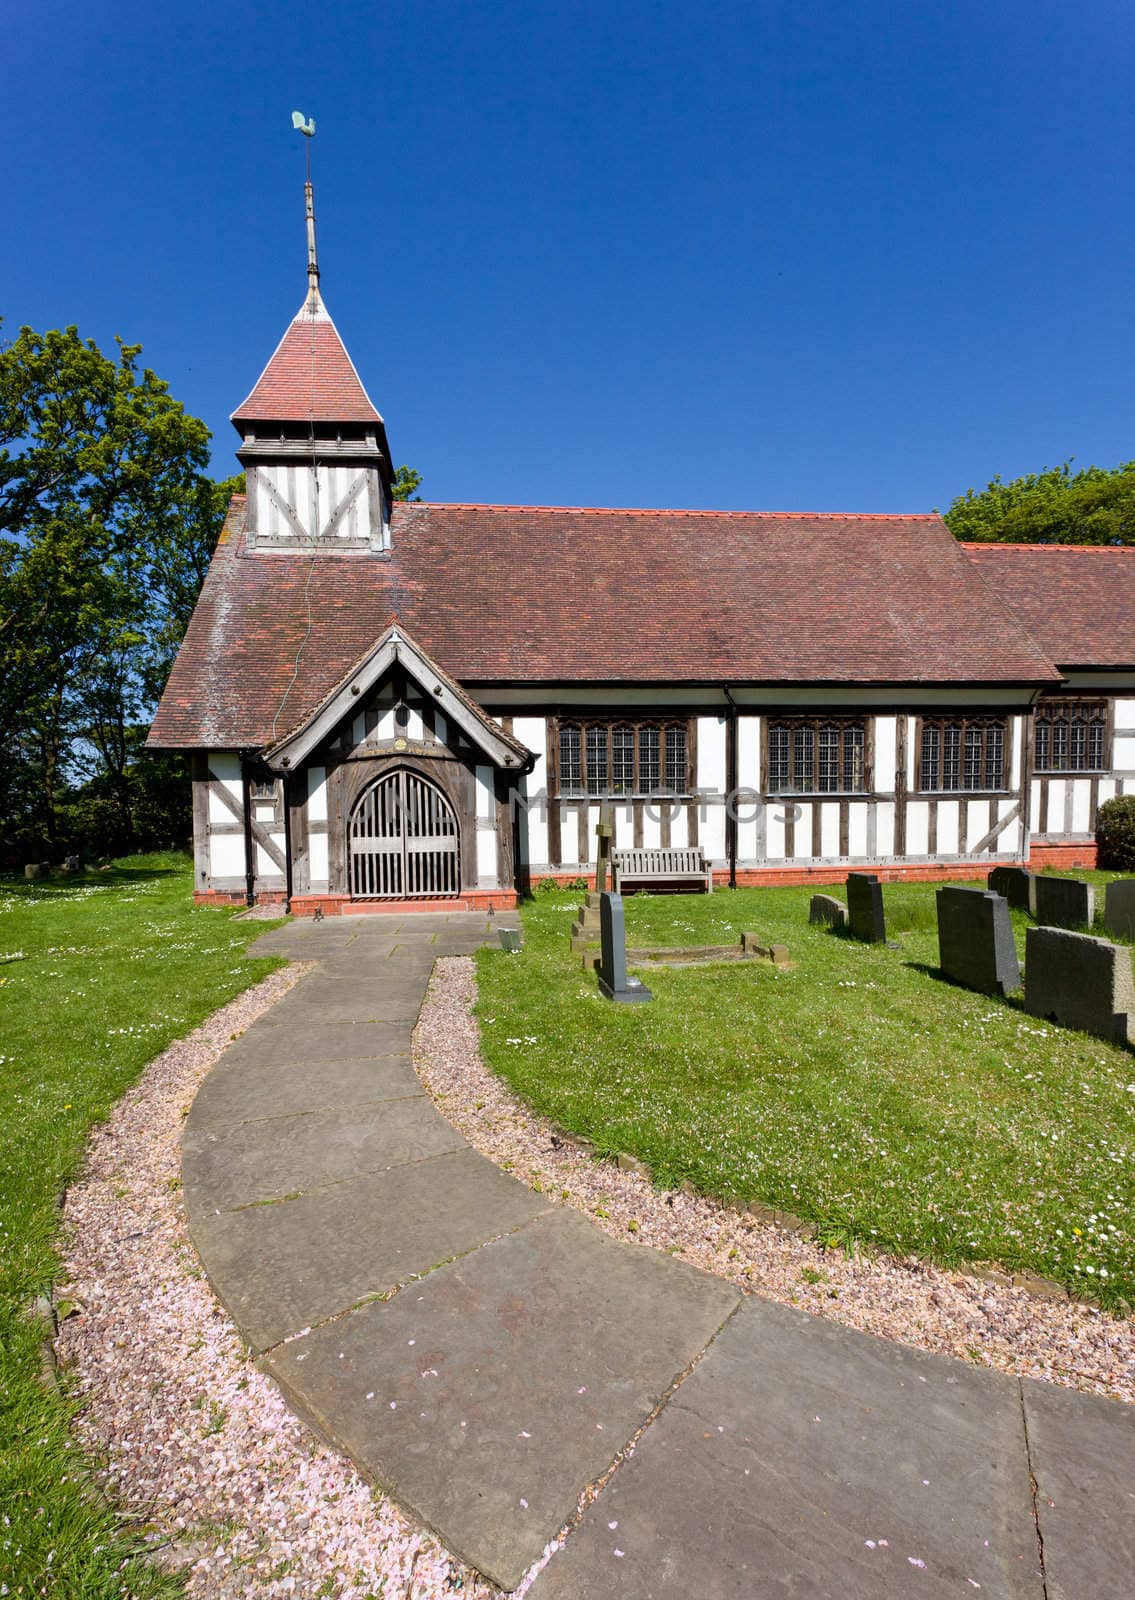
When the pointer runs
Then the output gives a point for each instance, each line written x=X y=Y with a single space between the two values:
x=1071 y=735
x=817 y=755
x=623 y=758
x=963 y=753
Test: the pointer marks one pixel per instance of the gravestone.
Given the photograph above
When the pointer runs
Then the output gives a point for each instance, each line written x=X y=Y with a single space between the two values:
x=1080 y=982
x=865 y=908
x=613 y=979
x=33 y=870
x=1119 y=908
x=586 y=926
x=1014 y=884
x=826 y=908
x=604 y=832
x=975 y=940
x=1061 y=902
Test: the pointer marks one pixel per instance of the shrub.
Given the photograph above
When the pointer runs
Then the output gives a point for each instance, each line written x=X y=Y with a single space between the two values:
x=1115 y=833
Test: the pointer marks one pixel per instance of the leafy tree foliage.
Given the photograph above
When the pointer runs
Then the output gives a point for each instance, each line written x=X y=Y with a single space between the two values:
x=1095 y=505
x=1115 y=833
x=406 y=482
x=107 y=523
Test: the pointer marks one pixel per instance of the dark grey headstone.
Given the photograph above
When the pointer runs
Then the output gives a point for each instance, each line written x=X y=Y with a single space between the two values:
x=613 y=979
x=825 y=908
x=1061 y=902
x=1013 y=883
x=1080 y=982
x=865 y=908
x=975 y=940
x=1119 y=908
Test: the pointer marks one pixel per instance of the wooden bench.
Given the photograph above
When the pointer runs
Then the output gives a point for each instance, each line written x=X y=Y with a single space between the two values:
x=670 y=869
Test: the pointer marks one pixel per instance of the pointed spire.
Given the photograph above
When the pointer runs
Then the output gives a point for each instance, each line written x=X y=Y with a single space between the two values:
x=314 y=303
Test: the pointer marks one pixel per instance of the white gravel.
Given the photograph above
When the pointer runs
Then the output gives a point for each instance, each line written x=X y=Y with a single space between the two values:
x=198 y=1443
x=909 y=1301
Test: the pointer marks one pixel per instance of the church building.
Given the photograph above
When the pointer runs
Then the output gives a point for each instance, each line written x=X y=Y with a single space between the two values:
x=403 y=703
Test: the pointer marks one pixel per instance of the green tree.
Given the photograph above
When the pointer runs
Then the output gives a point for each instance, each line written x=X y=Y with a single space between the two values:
x=406 y=481
x=1056 y=506
x=107 y=522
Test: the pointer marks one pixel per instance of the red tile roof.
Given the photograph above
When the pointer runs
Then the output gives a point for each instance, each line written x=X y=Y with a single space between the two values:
x=1077 y=601
x=309 y=378
x=515 y=594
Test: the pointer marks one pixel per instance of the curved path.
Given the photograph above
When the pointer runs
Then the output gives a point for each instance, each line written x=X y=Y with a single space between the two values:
x=485 y=1354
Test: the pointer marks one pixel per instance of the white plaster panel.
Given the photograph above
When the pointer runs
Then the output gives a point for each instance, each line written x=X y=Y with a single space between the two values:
x=948 y=828
x=1125 y=716
x=1034 y=800
x=1015 y=759
x=317 y=860
x=486 y=796
x=415 y=726
x=774 y=832
x=711 y=754
x=1081 y=805
x=219 y=813
x=487 y=853
x=857 y=830
x=917 y=828
x=533 y=732
x=910 y=750
x=712 y=832
x=1123 y=752
x=317 y=794
x=651 y=828
x=680 y=830
x=748 y=809
x=1107 y=790
x=441 y=729
x=265 y=866
x=226 y=855
x=885 y=754
x=885 y=828
x=386 y=728
x=749 y=752
x=829 y=829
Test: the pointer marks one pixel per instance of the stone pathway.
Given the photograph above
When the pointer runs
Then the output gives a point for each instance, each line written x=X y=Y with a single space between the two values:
x=486 y=1355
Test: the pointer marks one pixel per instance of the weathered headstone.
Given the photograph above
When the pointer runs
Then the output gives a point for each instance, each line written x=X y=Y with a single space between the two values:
x=1061 y=902
x=1119 y=908
x=604 y=832
x=826 y=908
x=1080 y=982
x=33 y=870
x=975 y=940
x=865 y=908
x=1013 y=883
x=613 y=979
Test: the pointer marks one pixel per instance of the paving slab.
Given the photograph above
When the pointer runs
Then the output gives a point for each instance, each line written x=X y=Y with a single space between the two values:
x=284 y=1267
x=488 y=1396
x=314 y=1041
x=382 y=994
x=247 y=1086
x=243 y=1163
x=801 y=1458
x=1082 y=1453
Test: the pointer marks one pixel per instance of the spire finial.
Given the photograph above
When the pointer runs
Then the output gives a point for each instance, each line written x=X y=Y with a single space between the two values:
x=306 y=126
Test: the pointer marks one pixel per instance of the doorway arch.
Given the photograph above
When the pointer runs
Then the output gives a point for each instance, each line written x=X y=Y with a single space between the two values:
x=403 y=841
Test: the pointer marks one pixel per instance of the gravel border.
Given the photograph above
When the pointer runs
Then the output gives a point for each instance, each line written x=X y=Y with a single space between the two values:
x=197 y=1443
x=911 y=1301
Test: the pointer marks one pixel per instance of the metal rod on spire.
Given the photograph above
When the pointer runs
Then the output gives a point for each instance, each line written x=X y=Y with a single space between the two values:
x=306 y=126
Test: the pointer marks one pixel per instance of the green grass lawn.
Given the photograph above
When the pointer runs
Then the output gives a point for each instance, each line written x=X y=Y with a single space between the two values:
x=857 y=1090
x=97 y=975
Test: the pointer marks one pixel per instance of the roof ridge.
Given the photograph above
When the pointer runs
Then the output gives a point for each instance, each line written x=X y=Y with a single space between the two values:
x=1005 y=544
x=677 y=511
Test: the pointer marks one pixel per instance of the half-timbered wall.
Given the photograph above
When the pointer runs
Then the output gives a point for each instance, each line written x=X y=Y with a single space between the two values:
x=1064 y=804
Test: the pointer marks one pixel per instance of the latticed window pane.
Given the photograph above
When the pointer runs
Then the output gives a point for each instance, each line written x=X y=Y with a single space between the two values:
x=571 y=761
x=854 y=760
x=622 y=760
x=676 y=778
x=973 y=766
x=994 y=756
x=1071 y=736
x=829 y=760
x=803 y=759
x=596 y=760
x=778 y=759
x=951 y=758
x=649 y=759
x=963 y=755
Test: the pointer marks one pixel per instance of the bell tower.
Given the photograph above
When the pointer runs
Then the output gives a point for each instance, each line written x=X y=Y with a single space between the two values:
x=313 y=445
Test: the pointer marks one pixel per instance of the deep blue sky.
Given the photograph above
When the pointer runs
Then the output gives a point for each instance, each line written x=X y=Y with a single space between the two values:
x=838 y=255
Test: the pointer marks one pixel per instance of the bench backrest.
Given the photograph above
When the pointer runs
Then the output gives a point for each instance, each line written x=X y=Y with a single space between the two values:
x=674 y=863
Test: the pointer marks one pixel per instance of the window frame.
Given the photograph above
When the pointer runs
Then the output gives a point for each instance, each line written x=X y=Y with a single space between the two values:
x=607 y=725
x=796 y=720
x=964 y=721
x=1072 y=702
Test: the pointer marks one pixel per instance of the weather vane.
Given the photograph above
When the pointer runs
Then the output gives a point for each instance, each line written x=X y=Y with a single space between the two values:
x=306 y=126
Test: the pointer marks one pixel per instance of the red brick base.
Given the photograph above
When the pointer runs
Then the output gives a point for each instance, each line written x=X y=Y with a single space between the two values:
x=339 y=905
x=1065 y=857
x=798 y=876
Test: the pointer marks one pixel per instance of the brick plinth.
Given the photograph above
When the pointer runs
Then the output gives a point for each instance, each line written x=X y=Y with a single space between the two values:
x=1065 y=857
x=338 y=905
x=790 y=876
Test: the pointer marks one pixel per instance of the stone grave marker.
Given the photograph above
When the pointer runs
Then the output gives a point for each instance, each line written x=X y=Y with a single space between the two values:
x=586 y=926
x=613 y=979
x=975 y=940
x=1119 y=908
x=826 y=908
x=865 y=908
x=1080 y=982
x=1014 y=884
x=1061 y=902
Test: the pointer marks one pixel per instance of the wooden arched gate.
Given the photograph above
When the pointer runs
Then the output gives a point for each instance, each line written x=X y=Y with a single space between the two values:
x=403 y=841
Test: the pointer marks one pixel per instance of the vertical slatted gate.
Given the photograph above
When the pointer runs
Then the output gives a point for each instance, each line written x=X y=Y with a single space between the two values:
x=403 y=841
